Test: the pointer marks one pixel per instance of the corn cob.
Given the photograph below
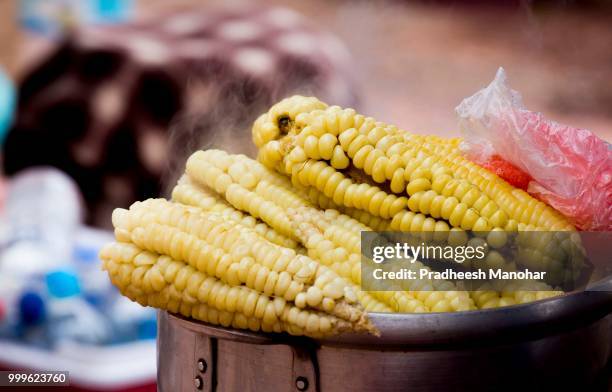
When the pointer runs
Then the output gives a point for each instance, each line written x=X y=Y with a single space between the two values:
x=165 y=283
x=415 y=296
x=186 y=192
x=207 y=168
x=320 y=147
x=519 y=205
x=275 y=245
x=345 y=264
x=384 y=152
x=240 y=257
x=347 y=222
x=276 y=191
x=409 y=163
x=429 y=162
x=337 y=186
x=368 y=221
x=362 y=149
x=409 y=221
x=495 y=294
x=375 y=200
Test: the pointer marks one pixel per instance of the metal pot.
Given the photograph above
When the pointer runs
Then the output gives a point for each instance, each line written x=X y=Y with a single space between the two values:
x=560 y=343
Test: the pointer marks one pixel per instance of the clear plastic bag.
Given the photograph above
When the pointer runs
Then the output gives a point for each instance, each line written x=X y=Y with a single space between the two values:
x=570 y=168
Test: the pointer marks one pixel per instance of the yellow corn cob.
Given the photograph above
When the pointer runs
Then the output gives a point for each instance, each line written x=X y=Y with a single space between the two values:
x=337 y=186
x=274 y=189
x=188 y=193
x=362 y=148
x=347 y=222
x=203 y=167
x=498 y=294
x=266 y=255
x=390 y=155
x=447 y=193
x=487 y=182
x=275 y=245
x=417 y=296
x=165 y=283
x=336 y=138
x=519 y=205
x=368 y=221
x=371 y=304
x=239 y=257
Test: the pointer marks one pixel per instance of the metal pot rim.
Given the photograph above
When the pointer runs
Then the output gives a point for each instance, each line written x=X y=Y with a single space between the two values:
x=518 y=322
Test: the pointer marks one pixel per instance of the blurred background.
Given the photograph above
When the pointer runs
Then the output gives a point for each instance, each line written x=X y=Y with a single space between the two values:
x=101 y=101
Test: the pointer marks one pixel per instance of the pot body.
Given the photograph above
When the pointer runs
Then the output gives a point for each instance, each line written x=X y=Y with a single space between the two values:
x=548 y=346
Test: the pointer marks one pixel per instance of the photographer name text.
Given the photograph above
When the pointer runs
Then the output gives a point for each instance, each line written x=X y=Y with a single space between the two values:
x=450 y=274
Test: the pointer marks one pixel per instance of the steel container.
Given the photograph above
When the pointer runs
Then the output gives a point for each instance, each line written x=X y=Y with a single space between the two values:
x=562 y=343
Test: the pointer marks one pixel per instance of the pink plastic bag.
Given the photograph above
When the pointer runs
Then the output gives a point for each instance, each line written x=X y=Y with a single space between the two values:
x=571 y=167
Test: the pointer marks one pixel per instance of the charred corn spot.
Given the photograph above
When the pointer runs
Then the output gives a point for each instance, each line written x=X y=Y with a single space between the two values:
x=282 y=117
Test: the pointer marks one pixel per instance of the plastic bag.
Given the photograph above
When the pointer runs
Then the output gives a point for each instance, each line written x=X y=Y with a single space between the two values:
x=571 y=168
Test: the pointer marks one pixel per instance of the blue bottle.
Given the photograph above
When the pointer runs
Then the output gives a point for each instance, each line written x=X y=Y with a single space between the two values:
x=70 y=316
x=32 y=318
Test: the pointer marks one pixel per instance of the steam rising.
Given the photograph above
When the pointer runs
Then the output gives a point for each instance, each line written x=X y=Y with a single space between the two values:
x=220 y=115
